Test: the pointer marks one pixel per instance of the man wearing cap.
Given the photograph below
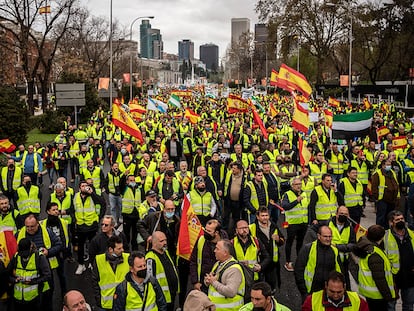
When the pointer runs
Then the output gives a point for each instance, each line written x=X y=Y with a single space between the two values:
x=150 y=205
x=202 y=201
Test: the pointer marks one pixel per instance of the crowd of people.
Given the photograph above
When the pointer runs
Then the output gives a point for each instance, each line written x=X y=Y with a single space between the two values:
x=251 y=195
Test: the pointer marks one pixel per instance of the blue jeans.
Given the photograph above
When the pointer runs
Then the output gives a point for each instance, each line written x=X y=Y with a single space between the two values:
x=407 y=297
x=115 y=202
x=383 y=209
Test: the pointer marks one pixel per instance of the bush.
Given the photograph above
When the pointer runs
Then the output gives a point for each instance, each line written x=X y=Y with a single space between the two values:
x=14 y=116
x=50 y=122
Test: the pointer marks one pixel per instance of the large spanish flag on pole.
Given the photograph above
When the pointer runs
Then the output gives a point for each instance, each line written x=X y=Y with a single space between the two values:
x=191 y=116
x=304 y=153
x=259 y=122
x=190 y=230
x=236 y=104
x=290 y=79
x=300 y=119
x=122 y=119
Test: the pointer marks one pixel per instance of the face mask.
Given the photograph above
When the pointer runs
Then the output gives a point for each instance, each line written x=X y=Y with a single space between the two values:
x=208 y=236
x=133 y=184
x=11 y=166
x=142 y=273
x=169 y=214
x=28 y=184
x=400 y=225
x=123 y=151
x=258 y=309
x=342 y=218
x=201 y=189
x=388 y=168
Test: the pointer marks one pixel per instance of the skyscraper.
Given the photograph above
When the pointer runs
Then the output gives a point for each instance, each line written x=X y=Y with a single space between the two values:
x=260 y=33
x=209 y=55
x=151 y=41
x=239 y=26
x=185 y=50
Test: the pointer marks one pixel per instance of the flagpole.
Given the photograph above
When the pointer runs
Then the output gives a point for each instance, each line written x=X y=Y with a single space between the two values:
x=110 y=57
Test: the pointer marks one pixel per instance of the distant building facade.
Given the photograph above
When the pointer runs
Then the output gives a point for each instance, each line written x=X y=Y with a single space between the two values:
x=209 y=55
x=151 y=41
x=185 y=50
x=239 y=26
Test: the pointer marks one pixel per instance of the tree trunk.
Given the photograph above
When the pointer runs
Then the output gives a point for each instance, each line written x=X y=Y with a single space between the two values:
x=30 y=96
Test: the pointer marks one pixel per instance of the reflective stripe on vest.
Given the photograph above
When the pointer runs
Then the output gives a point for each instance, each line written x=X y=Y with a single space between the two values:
x=251 y=255
x=95 y=175
x=22 y=291
x=299 y=213
x=254 y=200
x=362 y=171
x=353 y=196
x=311 y=265
x=160 y=275
x=353 y=298
x=113 y=181
x=367 y=286
x=36 y=164
x=85 y=213
x=64 y=205
x=201 y=203
x=134 y=301
x=108 y=279
x=309 y=186
x=334 y=163
x=340 y=237
x=223 y=303
x=17 y=178
x=131 y=200
x=381 y=184
x=325 y=207
x=317 y=172
x=28 y=203
x=275 y=248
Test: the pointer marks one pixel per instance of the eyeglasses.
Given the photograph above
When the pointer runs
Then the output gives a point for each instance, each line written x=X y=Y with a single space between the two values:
x=105 y=225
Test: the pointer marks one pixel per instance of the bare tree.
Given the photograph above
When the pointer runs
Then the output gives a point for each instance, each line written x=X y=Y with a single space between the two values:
x=37 y=36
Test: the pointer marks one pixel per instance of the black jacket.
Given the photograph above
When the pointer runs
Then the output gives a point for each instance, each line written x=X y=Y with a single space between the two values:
x=365 y=247
x=325 y=263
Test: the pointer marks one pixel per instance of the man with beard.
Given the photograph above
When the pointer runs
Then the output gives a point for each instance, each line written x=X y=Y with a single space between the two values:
x=270 y=236
x=202 y=258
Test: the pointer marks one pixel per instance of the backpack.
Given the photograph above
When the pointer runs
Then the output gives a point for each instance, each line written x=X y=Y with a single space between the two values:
x=248 y=278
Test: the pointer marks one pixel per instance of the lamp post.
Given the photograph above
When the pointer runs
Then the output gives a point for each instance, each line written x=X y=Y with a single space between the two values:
x=350 y=53
x=130 y=57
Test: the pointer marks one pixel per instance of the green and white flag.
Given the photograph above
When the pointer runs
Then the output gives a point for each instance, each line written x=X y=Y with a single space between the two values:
x=174 y=101
x=351 y=125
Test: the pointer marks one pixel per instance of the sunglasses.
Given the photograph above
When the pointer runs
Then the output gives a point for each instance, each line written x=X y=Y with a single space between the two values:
x=105 y=225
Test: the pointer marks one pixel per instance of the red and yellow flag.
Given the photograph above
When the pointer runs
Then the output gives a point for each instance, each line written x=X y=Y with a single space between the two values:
x=123 y=120
x=45 y=9
x=359 y=231
x=381 y=132
x=103 y=83
x=6 y=146
x=367 y=104
x=304 y=153
x=290 y=79
x=333 y=102
x=272 y=110
x=8 y=246
x=399 y=142
x=300 y=119
x=191 y=116
x=273 y=77
x=328 y=118
x=190 y=230
x=236 y=104
x=257 y=120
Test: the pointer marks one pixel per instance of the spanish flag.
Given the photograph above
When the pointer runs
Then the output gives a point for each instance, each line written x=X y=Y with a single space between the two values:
x=360 y=231
x=182 y=93
x=8 y=246
x=399 y=142
x=272 y=110
x=304 y=153
x=45 y=9
x=381 y=132
x=190 y=230
x=6 y=146
x=367 y=104
x=191 y=116
x=300 y=119
x=273 y=77
x=236 y=104
x=333 y=102
x=290 y=80
x=122 y=119
x=257 y=120
x=328 y=118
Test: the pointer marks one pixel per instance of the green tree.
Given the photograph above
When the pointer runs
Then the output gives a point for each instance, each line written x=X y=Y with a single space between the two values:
x=14 y=117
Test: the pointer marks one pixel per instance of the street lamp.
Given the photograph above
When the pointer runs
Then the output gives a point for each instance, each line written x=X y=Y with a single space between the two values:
x=130 y=57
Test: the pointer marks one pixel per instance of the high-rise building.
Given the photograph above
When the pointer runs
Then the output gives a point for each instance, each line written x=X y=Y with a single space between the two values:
x=239 y=26
x=151 y=41
x=260 y=33
x=185 y=50
x=209 y=55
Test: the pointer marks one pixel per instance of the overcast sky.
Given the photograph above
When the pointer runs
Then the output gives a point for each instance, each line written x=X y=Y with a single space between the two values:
x=201 y=21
